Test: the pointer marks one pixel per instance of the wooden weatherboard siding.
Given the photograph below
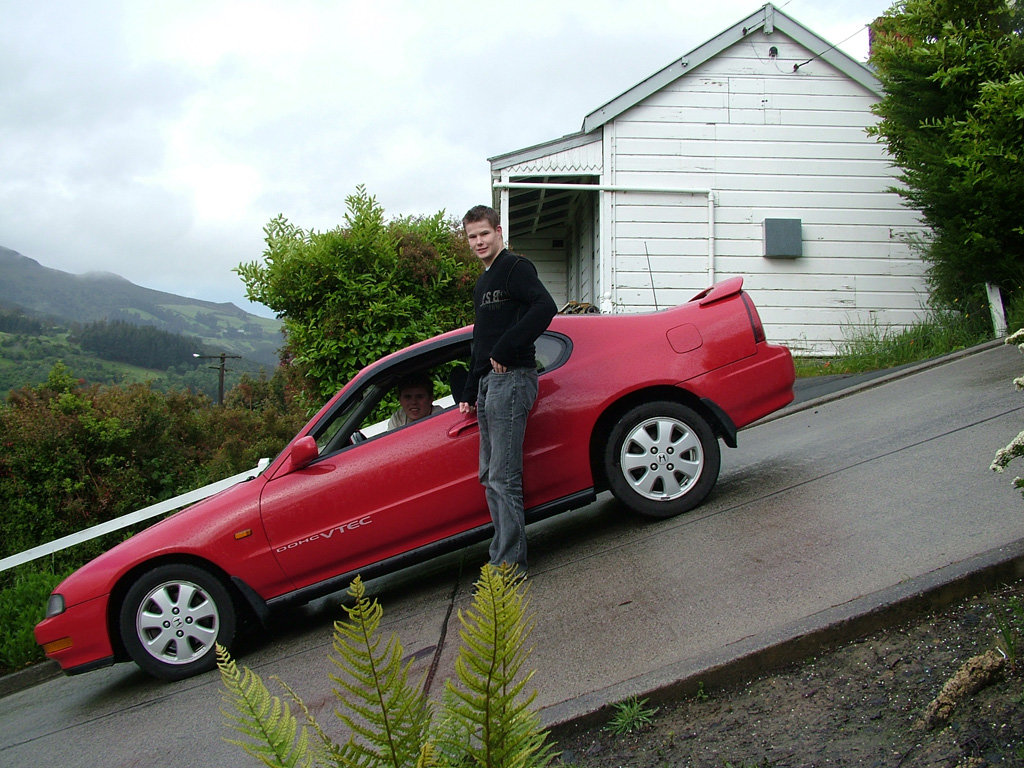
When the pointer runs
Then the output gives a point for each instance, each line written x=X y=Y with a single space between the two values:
x=771 y=143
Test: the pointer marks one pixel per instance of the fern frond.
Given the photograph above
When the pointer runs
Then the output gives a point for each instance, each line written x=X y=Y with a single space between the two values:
x=387 y=716
x=487 y=717
x=429 y=756
x=326 y=749
x=498 y=728
x=271 y=731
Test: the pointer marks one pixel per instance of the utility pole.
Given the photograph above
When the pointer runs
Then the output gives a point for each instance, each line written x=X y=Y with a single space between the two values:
x=223 y=357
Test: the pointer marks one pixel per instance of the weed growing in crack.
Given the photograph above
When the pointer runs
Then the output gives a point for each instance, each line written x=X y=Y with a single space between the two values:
x=631 y=715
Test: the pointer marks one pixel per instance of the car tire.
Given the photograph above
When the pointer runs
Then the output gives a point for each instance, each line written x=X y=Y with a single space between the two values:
x=662 y=459
x=172 y=617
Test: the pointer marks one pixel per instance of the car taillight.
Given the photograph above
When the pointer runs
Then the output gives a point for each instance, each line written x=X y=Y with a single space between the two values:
x=755 y=319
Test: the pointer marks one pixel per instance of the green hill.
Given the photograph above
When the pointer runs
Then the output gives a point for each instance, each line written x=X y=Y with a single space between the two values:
x=110 y=353
x=44 y=292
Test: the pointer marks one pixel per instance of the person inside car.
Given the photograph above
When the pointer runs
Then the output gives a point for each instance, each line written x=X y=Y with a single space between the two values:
x=415 y=400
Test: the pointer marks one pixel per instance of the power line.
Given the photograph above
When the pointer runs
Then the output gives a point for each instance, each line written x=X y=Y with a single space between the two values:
x=830 y=48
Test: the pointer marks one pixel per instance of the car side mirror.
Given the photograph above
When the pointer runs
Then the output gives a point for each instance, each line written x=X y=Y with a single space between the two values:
x=304 y=452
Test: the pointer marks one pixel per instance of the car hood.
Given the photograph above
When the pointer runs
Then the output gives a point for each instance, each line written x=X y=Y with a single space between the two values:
x=188 y=531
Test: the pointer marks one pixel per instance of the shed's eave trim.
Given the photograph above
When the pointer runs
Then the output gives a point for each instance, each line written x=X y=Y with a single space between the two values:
x=537 y=151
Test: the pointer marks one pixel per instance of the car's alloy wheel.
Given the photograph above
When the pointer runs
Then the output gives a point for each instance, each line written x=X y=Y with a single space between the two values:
x=662 y=459
x=171 y=619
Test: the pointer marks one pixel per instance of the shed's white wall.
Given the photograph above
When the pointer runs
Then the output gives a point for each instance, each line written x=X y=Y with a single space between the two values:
x=547 y=250
x=772 y=143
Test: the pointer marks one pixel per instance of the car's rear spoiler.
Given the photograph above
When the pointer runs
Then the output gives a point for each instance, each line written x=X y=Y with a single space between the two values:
x=727 y=289
x=719 y=291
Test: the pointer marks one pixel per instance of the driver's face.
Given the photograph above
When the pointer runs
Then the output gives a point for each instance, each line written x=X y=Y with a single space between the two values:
x=415 y=401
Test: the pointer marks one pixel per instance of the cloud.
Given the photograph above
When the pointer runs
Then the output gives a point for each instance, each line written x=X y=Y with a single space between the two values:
x=156 y=139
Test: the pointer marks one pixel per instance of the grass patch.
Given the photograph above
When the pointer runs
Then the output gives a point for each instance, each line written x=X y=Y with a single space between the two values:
x=875 y=348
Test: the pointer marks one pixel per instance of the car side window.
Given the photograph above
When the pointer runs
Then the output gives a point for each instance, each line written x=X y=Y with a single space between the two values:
x=367 y=413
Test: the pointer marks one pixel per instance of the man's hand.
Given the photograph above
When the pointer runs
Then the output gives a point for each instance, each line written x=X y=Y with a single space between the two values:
x=466 y=408
x=498 y=367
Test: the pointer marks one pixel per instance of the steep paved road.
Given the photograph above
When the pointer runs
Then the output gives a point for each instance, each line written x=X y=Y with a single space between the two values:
x=837 y=506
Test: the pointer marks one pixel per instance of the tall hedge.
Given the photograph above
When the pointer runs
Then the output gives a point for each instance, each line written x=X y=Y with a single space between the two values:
x=362 y=290
x=72 y=456
x=953 y=119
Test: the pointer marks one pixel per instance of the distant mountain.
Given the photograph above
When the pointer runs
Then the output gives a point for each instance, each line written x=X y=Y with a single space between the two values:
x=47 y=292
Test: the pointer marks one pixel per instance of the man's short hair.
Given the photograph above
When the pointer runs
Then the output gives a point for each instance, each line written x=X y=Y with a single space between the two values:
x=481 y=213
x=419 y=380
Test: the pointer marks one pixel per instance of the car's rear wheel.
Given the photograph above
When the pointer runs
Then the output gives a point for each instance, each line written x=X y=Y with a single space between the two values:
x=662 y=459
x=172 y=617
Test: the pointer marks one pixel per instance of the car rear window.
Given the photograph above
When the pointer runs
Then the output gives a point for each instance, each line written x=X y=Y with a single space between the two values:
x=552 y=351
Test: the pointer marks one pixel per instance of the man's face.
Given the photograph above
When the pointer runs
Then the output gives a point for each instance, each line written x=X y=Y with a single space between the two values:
x=415 y=401
x=485 y=240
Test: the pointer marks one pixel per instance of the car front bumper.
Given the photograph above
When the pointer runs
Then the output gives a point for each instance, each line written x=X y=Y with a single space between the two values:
x=78 y=639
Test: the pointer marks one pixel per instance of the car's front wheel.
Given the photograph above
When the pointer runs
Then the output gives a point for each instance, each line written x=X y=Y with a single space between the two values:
x=662 y=459
x=172 y=617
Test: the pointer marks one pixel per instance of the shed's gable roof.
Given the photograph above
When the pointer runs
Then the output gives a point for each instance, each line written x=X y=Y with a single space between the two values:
x=767 y=19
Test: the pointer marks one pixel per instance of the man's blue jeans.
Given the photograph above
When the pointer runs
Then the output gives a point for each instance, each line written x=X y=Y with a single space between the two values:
x=503 y=402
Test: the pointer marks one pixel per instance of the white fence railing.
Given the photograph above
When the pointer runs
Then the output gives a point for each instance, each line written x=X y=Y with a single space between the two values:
x=131 y=518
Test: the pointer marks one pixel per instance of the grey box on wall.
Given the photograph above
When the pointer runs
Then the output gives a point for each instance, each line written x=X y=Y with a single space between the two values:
x=783 y=239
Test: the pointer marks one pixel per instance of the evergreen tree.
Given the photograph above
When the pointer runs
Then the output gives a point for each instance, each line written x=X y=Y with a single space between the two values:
x=953 y=120
x=141 y=345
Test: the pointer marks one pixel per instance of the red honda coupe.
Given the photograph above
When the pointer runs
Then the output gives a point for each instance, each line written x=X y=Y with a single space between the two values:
x=634 y=404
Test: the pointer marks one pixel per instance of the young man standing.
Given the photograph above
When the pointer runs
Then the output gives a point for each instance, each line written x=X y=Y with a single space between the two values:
x=512 y=308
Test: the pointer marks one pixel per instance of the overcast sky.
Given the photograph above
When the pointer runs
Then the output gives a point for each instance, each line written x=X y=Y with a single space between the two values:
x=155 y=139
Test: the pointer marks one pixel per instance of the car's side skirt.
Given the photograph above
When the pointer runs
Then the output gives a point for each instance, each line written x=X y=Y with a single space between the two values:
x=428 y=552
x=89 y=666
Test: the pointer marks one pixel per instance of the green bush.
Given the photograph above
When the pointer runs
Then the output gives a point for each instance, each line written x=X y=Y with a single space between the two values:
x=73 y=456
x=22 y=606
x=951 y=119
x=362 y=290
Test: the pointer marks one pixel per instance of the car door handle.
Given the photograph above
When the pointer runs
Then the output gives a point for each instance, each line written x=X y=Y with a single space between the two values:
x=461 y=427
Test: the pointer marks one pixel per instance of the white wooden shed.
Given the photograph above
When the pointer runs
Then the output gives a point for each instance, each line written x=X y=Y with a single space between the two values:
x=747 y=156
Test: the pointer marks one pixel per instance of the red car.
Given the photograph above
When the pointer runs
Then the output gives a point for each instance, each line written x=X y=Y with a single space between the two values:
x=631 y=403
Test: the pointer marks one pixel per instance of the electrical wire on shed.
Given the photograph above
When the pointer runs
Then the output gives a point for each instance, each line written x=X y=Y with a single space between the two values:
x=830 y=48
x=650 y=271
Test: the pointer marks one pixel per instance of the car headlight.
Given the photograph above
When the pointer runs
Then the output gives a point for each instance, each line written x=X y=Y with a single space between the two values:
x=55 y=605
